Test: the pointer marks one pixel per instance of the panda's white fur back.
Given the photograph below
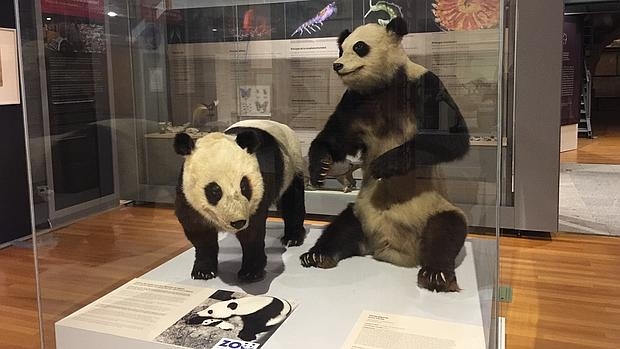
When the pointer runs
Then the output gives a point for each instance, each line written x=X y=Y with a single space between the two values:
x=289 y=146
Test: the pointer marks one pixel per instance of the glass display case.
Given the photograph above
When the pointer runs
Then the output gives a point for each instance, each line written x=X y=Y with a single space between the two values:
x=108 y=84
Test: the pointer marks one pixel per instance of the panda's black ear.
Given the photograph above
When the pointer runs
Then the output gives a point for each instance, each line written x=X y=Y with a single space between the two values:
x=343 y=35
x=398 y=26
x=248 y=140
x=183 y=144
x=232 y=305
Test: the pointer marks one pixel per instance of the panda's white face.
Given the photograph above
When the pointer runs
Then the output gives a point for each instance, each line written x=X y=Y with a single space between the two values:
x=370 y=57
x=222 y=182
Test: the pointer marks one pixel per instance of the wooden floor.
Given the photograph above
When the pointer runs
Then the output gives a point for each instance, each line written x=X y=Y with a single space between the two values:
x=565 y=290
x=603 y=149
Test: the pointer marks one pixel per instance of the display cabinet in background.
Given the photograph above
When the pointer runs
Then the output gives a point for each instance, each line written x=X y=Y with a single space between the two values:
x=108 y=83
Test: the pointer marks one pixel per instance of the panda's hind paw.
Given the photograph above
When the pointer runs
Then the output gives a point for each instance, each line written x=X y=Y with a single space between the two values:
x=315 y=259
x=436 y=280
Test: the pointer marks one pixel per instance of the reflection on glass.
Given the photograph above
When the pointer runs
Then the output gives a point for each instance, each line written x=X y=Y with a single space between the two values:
x=115 y=89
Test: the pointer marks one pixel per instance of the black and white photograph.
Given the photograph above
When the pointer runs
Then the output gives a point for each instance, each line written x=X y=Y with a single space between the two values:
x=228 y=315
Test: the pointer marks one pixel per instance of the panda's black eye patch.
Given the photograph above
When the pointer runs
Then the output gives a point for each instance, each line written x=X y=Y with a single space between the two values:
x=361 y=48
x=232 y=306
x=213 y=193
x=246 y=189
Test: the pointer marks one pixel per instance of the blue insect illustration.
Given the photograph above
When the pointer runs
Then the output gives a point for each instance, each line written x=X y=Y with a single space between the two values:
x=315 y=23
x=245 y=92
x=262 y=107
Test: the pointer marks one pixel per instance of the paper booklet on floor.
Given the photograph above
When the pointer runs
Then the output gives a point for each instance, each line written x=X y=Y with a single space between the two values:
x=181 y=315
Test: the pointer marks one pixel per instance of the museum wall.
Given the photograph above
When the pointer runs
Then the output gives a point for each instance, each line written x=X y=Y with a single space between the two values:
x=14 y=198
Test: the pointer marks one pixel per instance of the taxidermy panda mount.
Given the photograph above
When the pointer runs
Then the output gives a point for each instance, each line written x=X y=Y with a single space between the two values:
x=228 y=182
x=403 y=121
x=257 y=313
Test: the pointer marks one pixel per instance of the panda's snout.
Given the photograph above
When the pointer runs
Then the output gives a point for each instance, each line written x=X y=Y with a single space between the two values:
x=338 y=66
x=238 y=224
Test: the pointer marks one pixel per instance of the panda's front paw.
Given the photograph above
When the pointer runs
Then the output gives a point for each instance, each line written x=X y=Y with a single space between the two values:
x=203 y=275
x=315 y=259
x=251 y=276
x=435 y=280
x=203 y=271
x=319 y=169
x=290 y=242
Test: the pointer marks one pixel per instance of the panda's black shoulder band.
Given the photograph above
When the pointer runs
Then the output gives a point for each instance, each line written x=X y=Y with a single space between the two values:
x=398 y=26
x=248 y=140
x=183 y=144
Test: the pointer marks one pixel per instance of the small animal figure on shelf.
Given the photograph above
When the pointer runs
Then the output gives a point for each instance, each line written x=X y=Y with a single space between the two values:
x=403 y=121
x=342 y=171
x=315 y=23
x=204 y=114
x=389 y=8
x=228 y=182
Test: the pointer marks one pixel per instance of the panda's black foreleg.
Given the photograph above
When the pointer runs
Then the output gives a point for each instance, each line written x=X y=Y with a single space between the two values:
x=252 y=241
x=341 y=239
x=293 y=208
x=202 y=235
x=206 y=246
x=442 y=240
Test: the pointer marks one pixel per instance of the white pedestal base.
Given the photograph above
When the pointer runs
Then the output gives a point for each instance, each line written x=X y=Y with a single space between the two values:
x=330 y=301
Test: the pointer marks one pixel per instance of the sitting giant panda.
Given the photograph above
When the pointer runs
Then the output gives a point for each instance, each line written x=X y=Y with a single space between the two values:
x=228 y=182
x=403 y=121
x=257 y=313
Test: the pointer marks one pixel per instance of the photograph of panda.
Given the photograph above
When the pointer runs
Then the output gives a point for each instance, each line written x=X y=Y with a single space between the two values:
x=403 y=122
x=227 y=184
x=231 y=315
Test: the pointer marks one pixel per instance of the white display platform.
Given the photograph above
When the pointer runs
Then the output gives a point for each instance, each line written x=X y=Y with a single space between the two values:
x=329 y=301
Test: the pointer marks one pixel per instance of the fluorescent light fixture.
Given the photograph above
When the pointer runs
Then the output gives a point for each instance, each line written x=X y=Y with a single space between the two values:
x=49 y=18
x=214 y=29
x=112 y=14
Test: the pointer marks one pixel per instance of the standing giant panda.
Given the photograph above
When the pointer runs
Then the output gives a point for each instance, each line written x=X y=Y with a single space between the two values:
x=403 y=121
x=228 y=182
x=257 y=313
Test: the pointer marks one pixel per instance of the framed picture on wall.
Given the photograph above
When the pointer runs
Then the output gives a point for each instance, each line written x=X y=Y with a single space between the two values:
x=9 y=74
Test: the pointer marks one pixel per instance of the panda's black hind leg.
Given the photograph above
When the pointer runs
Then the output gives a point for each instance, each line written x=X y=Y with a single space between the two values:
x=341 y=239
x=293 y=208
x=442 y=240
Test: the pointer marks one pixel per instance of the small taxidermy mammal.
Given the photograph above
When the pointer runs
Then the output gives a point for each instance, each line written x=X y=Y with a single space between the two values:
x=403 y=121
x=227 y=183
